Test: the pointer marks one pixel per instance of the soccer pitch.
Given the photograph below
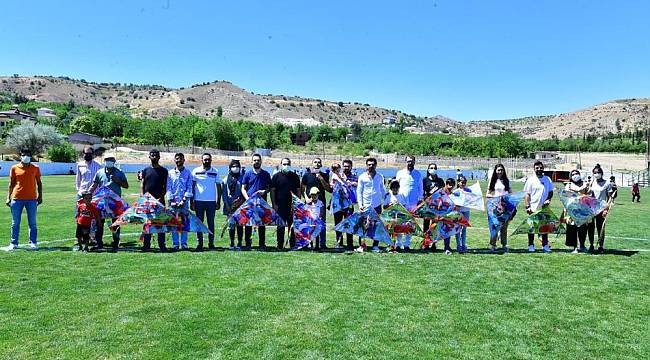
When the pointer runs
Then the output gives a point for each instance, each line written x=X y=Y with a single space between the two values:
x=55 y=303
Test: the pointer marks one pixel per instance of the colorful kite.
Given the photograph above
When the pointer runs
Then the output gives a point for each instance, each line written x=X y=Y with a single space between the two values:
x=341 y=198
x=439 y=203
x=254 y=212
x=307 y=224
x=109 y=204
x=471 y=197
x=501 y=210
x=399 y=221
x=581 y=208
x=156 y=218
x=365 y=224
x=542 y=221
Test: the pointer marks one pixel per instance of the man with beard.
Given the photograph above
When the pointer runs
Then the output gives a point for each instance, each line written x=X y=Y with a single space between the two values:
x=284 y=184
x=253 y=181
x=411 y=185
x=206 y=198
x=370 y=193
x=317 y=177
x=539 y=192
x=179 y=194
x=86 y=171
x=154 y=182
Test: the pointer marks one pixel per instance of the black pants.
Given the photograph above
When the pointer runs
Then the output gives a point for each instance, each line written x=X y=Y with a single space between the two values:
x=531 y=239
x=597 y=224
x=240 y=235
x=99 y=233
x=378 y=210
x=575 y=234
x=637 y=197
x=147 y=241
x=261 y=233
x=281 y=229
x=338 y=217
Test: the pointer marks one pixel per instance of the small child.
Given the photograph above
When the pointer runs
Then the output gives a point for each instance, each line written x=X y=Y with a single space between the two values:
x=86 y=213
x=313 y=204
x=449 y=187
x=394 y=197
x=461 y=235
x=636 y=192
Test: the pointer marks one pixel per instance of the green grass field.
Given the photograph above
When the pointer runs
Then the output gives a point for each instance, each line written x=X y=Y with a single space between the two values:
x=55 y=303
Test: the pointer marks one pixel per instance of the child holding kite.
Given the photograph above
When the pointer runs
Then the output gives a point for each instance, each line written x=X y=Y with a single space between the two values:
x=394 y=197
x=314 y=204
x=86 y=214
x=461 y=235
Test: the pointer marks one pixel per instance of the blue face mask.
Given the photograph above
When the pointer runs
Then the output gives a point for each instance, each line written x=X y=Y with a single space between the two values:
x=25 y=159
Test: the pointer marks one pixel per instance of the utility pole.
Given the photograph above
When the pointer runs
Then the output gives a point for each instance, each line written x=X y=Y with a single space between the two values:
x=579 y=157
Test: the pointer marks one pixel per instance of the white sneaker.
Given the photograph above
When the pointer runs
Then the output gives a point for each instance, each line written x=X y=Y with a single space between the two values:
x=76 y=248
x=375 y=249
x=531 y=248
x=359 y=249
x=33 y=246
x=11 y=247
x=447 y=252
x=546 y=249
x=575 y=251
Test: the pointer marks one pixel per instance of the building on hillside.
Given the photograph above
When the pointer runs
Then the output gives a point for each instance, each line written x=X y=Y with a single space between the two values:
x=84 y=139
x=299 y=138
x=46 y=113
x=389 y=120
x=5 y=121
x=17 y=115
x=546 y=155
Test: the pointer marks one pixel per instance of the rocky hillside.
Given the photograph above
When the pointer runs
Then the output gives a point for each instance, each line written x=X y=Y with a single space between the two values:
x=236 y=103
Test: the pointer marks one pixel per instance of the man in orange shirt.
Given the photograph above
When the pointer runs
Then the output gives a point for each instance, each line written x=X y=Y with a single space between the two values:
x=25 y=192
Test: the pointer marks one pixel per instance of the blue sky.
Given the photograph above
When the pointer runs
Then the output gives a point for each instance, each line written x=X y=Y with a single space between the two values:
x=468 y=60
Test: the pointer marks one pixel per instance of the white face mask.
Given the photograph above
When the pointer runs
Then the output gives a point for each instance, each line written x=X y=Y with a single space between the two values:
x=25 y=159
x=109 y=164
x=432 y=171
x=286 y=168
x=576 y=178
x=598 y=176
x=235 y=170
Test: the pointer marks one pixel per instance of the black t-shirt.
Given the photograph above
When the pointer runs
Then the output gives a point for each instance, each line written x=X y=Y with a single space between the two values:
x=283 y=185
x=154 y=180
x=310 y=180
x=429 y=184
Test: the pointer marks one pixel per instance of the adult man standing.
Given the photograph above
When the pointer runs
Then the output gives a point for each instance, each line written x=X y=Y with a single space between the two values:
x=154 y=182
x=86 y=171
x=350 y=180
x=256 y=180
x=284 y=184
x=114 y=179
x=411 y=185
x=539 y=192
x=371 y=191
x=316 y=177
x=179 y=194
x=430 y=184
x=25 y=192
x=207 y=197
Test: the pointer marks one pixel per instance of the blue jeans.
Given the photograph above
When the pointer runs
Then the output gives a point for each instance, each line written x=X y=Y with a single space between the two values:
x=183 y=235
x=461 y=235
x=16 y=213
x=206 y=209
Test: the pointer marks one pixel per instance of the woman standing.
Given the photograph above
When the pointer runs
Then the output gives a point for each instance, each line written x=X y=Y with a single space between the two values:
x=232 y=199
x=500 y=186
x=575 y=234
x=601 y=189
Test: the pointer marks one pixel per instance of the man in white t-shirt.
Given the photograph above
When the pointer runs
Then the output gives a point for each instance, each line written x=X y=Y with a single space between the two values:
x=206 y=199
x=539 y=192
x=410 y=184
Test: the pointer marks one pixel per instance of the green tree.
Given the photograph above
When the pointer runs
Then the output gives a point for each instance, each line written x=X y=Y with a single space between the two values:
x=35 y=137
x=63 y=152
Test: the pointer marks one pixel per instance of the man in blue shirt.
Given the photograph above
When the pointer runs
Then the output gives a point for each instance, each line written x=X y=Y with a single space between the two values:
x=114 y=179
x=179 y=193
x=254 y=181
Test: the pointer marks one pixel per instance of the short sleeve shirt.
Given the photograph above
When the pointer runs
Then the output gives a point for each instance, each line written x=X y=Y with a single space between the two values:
x=310 y=180
x=25 y=177
x=284 y=185
x=254 y=182
x=206 y=183
x=154 y=180
x=102 y=178
x=538 y=189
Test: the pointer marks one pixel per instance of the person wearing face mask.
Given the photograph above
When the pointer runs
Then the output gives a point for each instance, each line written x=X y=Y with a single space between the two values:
x=317 y=177
x=284 y=184
x=601 y=189
x=575 y=234
x=206 y=198
x=86 y=171
x=430 y=184
x=257 y=181
x=113 y=178
x=154 y=182
x=25 y=192
x=539 y=192
x=411 y=184
x=179 y=194
x=232 y=198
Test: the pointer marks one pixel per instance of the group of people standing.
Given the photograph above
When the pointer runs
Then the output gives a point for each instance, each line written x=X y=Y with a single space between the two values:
x=204 y=191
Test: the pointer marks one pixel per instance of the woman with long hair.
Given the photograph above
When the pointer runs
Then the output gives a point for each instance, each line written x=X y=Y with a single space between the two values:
x=601 y=189
x=232 y=199
x=499 y=186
